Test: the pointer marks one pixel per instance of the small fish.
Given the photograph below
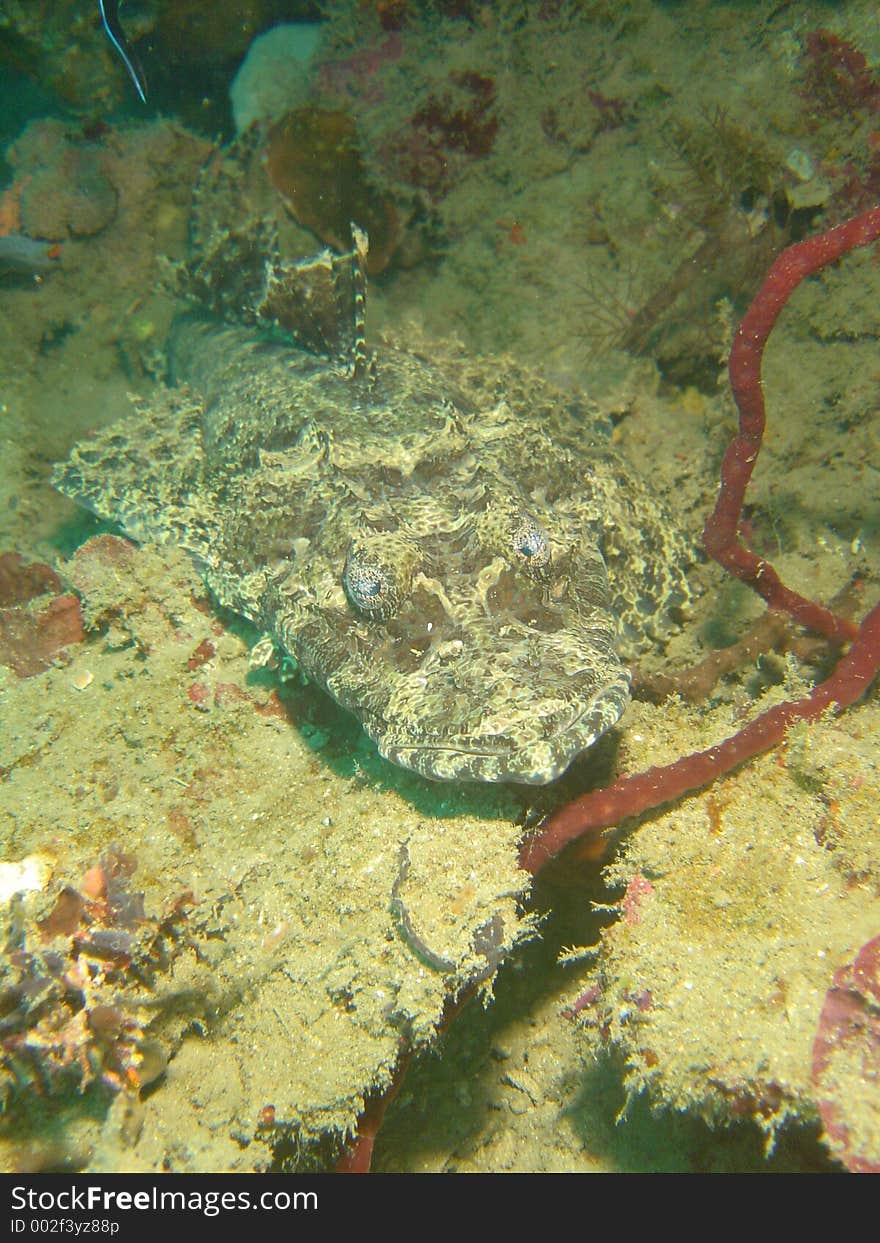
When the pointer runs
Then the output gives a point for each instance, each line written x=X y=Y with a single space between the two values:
x=109 y=10
x=23 y=256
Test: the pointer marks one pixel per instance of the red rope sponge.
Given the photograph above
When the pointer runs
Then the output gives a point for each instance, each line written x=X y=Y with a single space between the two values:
x=640 y=792
x=721 y=533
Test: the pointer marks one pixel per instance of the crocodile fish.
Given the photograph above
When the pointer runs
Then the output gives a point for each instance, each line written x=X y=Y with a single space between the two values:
x=445 y=543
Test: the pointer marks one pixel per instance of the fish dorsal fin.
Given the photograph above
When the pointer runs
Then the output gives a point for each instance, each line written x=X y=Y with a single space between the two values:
x=226 y=274
x=239 y=275
x=321 y=302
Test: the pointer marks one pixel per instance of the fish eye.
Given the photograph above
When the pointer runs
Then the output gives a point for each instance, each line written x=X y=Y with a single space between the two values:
x=531 y=544
x=366 y=584
x=376 y=581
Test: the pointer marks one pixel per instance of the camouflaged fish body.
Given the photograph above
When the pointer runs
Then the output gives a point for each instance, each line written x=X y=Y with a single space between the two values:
x=427 y=537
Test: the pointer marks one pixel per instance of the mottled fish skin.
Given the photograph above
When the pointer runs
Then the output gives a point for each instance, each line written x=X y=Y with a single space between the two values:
x=428 y=544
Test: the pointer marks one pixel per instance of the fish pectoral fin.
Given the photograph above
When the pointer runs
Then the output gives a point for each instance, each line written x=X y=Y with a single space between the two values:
x=144 y=471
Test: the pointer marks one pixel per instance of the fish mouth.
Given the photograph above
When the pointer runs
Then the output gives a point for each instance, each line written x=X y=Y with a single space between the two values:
x=521 y=754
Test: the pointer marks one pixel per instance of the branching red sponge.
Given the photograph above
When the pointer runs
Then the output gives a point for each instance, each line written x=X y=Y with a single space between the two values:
x=640 y=792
